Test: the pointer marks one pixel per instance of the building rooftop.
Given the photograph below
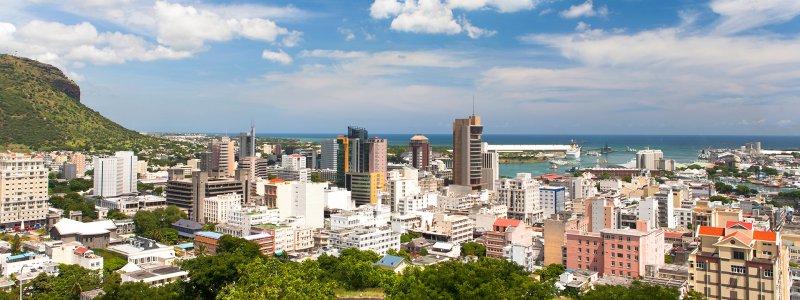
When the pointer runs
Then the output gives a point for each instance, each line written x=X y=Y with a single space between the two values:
x=506 y=222
x=209 y=234
x=68 y=226
x=390 y=261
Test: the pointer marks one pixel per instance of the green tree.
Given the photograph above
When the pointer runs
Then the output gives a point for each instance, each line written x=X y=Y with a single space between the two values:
x=723 y=188
x=720 y=198
x=16 y=245
x=407 y=237
x=240 y=246
x=744 y=190
x=605 y=176
x=353 y=269
x=550 y=272
x=273 y=279
x=116 y=215
x=627 y=178
x=139 y=290
x=473 y=248
x=80 y=185
x=637 y=290
x=401 y=253
x=70 y=282
x=694 y=295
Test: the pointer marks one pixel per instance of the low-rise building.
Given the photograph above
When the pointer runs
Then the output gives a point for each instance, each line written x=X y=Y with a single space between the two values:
x=96 y=234
x=74 y=253
x=207 y=240
x=155 y=276
x=145 y=252
x=378 y=239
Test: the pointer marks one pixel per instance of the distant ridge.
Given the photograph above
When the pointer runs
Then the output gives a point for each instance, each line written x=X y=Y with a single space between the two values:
x=40 y=108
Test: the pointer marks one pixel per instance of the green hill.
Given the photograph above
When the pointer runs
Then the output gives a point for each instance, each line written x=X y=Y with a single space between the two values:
x=40 y=108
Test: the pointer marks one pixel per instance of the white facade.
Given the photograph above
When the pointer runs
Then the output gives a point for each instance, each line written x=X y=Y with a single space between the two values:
x=415 y=203
x=521 y=195
x=648 y=211
x=364 y=216
x=553 y=199
x=458 y=228
x=378 y=239
x=582 y=187
x=115 y=175
x=74 y=253
x=401 y=184
x=246 y=218
x=610 y=185
x=293 y=161
x=303 y=199
x=23 y=189
x=666 y=209
x=218 y=208
x=683 y=217
x=490 y=171
x=338 y=198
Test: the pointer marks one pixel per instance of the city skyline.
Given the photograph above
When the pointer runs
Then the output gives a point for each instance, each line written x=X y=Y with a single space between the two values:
x=572 y=67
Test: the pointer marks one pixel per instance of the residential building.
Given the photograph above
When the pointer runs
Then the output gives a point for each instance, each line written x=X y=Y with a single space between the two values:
x=187 y=228
x=553 y=199
x=649 y=159
x=70 y=171
x=79 y=160
x=455 y=229
x=301 y=199
x=130 y=204
x=400 y=184
x=265 y=242
x=145 y=252
x=666 y=209
x=155 y=276
x=504 y=233
x=115 y=175
x=582 y=187
x=363 y=216
x=378 y=157
x=738 y=262
x=603 y=213
x=218 y=208
x=421 y=152
x=74 y=253
x=378 y=239
x=467 y=154
x=23 y=191
x=95 y=234
x=522 y=196
x=392 y=263
x=554 y=233
x=293 y=161
x=616 y=252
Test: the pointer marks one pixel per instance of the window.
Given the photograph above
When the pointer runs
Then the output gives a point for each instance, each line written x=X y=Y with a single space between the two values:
x=738 y=254
x=612 y=263
x=701 y=265
x=766 y=252
x=768 y=273
x=738 y=269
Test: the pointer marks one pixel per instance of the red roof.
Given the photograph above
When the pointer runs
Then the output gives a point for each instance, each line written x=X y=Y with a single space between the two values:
x=764 y=236
x=296 y=155
x=748 y=226
x=740 y=236
x=274 y=180
x=507 y=223
x=81 y=250
x=674 y=235
x=551 y=176
x=707 y=230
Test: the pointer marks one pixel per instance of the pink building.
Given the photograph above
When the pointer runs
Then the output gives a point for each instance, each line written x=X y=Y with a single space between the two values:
x=378 y=155
x=616 y=252
x=584 y=251
x=507 y=232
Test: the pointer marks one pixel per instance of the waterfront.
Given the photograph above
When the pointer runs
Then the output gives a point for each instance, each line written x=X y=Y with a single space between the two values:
x=681 y=148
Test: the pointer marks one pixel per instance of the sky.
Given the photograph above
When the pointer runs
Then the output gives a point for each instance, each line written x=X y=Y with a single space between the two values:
x=412 y=66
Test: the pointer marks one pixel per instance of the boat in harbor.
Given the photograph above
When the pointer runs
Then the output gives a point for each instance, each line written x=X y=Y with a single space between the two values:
x=592 y=153
x=630 y=149
x=606 y=149
x=559 y=162
x=554 y=167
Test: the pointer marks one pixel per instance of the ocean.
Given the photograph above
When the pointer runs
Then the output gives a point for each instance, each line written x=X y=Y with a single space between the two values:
x=681 y=148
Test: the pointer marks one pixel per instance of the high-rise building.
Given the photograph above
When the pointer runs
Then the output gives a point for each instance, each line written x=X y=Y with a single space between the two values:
x=490 y=171
x=247 y=143
x=421 y=152
x=219 y=160
x=80 y=163
x=189 y=193
x=378 y=160
x=328 y=151
x=650 y=159
x=293 y=161
x=23 y=190
x=738 y=262
x=602 y=213
x=115 y=175
x=365 y=187
x=467 y=156
x=521 y=196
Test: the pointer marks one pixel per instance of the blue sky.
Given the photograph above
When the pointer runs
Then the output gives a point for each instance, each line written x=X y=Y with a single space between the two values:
x=533 y=66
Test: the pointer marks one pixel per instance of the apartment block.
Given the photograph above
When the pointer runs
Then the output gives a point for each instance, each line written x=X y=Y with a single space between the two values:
x=23 y=190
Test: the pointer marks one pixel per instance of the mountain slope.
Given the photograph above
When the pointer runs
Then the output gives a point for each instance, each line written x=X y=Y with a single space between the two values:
x=40 y=107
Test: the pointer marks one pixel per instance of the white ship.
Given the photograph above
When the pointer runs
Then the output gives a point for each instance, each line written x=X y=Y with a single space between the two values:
x=574 y=151
x=559 y=162
x=592 y=153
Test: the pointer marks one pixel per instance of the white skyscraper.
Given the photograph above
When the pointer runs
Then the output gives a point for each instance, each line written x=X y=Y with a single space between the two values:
x=490 y=171
x=293 y=161
x=521 y=195
x=115 y=175
x=23 y=190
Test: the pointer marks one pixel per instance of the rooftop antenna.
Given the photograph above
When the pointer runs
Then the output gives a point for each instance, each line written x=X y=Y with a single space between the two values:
x=473 y=105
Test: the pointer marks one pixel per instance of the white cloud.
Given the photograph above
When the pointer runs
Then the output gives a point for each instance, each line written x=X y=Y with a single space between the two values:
x=279 y=56
x=436 y=16
x=475 y=32
x=292 y=39
x=426 y=16
x=584 y=10
x=347 y=33
x=78 y=44
x=740 y=15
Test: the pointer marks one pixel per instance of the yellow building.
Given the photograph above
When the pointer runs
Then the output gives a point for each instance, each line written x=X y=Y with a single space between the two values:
x=365 y=187
x=737 y=262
